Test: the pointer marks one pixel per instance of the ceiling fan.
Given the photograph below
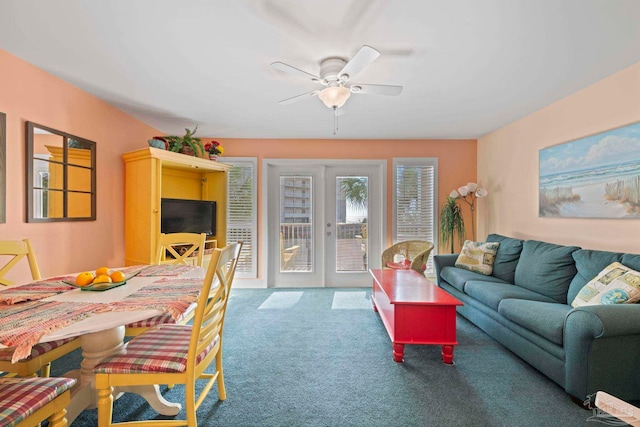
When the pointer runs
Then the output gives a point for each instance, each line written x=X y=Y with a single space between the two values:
x=335 y=75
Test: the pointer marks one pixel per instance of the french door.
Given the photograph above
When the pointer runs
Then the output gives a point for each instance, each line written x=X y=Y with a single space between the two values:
x=324 y=222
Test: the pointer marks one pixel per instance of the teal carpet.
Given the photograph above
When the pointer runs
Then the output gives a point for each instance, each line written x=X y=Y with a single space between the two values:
x=321 y=357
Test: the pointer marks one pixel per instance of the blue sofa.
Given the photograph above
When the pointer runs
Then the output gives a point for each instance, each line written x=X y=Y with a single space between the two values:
x=525 y=305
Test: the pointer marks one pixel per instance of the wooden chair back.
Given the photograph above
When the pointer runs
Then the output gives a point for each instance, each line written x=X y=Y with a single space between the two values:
x=208 y=320
x=180 y=248
x=16 y=250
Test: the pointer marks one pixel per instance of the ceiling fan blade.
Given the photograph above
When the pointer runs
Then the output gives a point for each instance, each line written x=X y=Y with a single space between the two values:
x=295 y=71
x=298 y=97
x=365 y=56
x=387 y=90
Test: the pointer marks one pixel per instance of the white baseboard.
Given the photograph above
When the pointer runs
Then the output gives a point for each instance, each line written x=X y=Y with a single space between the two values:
x=241 y=283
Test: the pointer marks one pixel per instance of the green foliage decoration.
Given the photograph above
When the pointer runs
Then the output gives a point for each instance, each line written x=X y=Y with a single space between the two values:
x=177 y=143
x=451 y=223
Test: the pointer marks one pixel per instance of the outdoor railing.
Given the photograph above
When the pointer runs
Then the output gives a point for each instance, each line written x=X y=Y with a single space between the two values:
x=300 y=234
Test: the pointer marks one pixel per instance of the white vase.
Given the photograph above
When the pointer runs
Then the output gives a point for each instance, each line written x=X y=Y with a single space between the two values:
x=213 y=157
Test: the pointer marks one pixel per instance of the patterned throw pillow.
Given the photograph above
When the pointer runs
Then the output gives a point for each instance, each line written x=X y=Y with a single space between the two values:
x=478 y=256
x=616 y=284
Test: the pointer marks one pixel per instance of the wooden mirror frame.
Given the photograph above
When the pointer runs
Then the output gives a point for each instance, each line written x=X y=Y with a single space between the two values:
x=63 y=164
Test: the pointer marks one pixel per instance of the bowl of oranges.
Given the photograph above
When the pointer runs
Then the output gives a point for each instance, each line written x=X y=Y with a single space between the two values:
x=101 y=279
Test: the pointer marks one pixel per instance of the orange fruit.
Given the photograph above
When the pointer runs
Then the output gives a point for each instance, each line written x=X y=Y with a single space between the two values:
x=84 y=279
x=102 y=271
x=102 y=279
x=117 y=276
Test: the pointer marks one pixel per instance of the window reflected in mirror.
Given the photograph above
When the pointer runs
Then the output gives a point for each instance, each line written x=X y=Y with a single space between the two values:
x=61 y=176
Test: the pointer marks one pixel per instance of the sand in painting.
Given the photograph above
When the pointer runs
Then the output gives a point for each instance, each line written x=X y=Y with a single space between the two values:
x=594 y=204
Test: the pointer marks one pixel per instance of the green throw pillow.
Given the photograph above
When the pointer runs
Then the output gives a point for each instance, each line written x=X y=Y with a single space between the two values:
x=478 y=256
x=616 y=284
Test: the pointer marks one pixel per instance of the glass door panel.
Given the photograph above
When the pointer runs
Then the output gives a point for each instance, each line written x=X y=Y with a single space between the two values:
x=353 y=234
x=294 y=232
x=296 y=224
x=352 y=195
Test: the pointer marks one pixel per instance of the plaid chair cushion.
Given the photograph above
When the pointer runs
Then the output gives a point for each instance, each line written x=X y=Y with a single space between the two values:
x=160 y=349
x=163 y=319
x=37 y=350
x=21 y=397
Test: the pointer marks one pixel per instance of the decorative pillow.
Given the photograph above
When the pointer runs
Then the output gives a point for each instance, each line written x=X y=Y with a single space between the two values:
x=478 y=256
x=589 y=264
x=616 y=284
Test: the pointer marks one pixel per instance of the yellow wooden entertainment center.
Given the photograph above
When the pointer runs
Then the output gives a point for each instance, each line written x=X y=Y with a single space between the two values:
x=150 y=175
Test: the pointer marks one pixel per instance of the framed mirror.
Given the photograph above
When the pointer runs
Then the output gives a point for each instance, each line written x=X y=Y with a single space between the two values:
x=61 y=176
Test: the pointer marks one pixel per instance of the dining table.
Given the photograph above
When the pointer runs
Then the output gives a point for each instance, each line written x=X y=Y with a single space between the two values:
x=55 y=308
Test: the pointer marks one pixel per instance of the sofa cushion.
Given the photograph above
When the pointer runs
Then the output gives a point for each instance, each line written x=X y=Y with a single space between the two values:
x=542 y=318
x=631 y=261
x=457 y=277
x=589 y=264
x=546 y=268
x=504 y=266
x=491 y=293
x=478 y=256
x=616 y=284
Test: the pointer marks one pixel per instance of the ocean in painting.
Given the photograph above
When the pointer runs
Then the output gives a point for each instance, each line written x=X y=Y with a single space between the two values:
x=594 y=177
x=591 y=176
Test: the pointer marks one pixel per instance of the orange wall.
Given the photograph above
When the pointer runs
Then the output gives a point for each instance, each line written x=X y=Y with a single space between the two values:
x=508 y=166
x=31 y=94
x=456 y=158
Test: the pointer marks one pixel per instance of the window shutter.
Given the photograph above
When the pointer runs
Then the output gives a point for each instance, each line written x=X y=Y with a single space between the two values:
x=242 y=214
x=415 y=202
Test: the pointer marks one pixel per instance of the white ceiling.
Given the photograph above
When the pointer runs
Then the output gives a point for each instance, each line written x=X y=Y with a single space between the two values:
x=468 y=67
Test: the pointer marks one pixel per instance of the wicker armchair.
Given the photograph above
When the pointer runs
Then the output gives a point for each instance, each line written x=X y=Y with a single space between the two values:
x=417 y=251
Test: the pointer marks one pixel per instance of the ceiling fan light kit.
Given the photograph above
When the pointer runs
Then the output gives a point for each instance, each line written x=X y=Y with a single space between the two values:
x=334 y=97
x=335 y=74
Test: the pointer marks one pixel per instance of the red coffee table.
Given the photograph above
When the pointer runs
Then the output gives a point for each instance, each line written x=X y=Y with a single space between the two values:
x=414 y=311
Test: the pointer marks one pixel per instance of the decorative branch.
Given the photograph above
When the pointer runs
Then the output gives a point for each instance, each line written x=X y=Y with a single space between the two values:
x=468 y=194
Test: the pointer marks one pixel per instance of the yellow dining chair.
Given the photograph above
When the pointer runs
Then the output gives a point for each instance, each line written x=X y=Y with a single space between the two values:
x=175 y=354
x=42 y=354
x=26 y=402
x=173 y=248
x=417 y=251
x=176 y=248
x=16 y=250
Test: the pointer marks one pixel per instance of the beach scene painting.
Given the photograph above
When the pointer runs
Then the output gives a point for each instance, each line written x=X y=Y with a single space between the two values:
x=593 y=177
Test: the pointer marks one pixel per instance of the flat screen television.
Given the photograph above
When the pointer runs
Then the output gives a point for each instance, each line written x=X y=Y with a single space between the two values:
x=187 y=216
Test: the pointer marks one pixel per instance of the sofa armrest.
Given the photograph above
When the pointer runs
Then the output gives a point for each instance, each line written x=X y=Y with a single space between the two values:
x=606 y=321
x=441 y=261
x=601 y=344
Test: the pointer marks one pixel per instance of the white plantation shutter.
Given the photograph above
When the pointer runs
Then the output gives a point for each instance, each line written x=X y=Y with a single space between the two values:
x=242 y=213
x=414 y=201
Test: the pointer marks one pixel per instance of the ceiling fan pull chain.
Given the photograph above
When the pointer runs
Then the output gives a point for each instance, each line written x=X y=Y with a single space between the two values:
x=335 y=120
